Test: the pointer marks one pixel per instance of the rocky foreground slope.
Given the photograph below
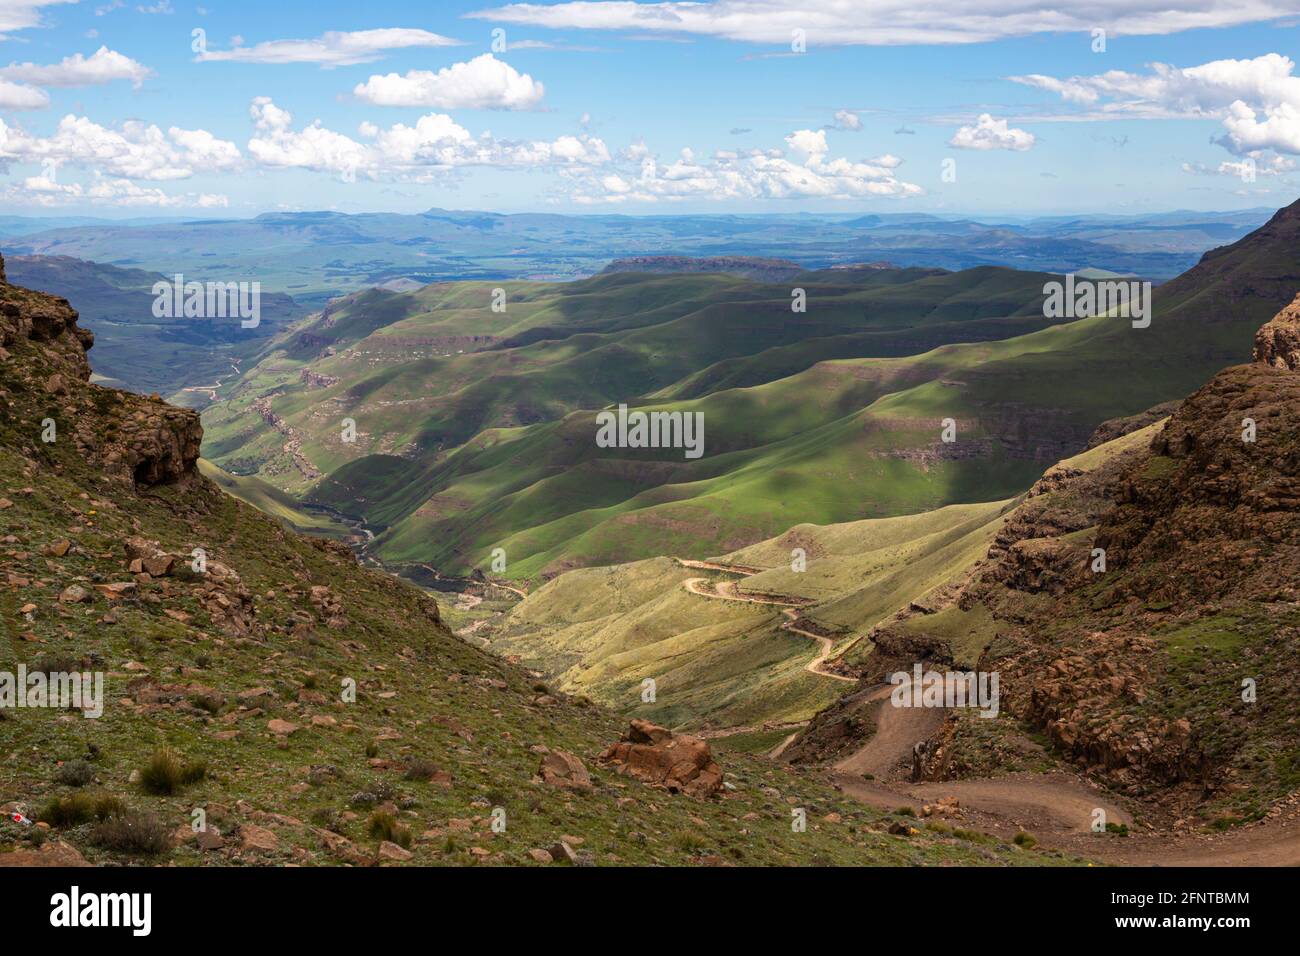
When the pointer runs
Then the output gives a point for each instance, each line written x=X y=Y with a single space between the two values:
x=1167 y=672
x=267 y=701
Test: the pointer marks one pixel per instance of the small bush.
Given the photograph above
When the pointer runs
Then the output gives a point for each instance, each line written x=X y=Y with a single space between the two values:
x=1024 y=840
x=63 y=812
x=75 y=773
x=420 y=770
x=1118 y=828
x=905 y=812
x=384 y=826
x=140 y=834
x=209 y=702
x=372 y=751
x=165 y=773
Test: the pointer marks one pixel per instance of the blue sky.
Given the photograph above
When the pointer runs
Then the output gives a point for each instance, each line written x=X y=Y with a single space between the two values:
x=990 y=107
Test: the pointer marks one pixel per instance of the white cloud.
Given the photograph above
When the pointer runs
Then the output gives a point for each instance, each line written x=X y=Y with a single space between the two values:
x=749 y=175
x=1245 y=169
x=989 y=133
x=435 y=143
x=1257 y=100
x=483 y=83
x=133 y=151
x=102 y=66
x=15 y=96
x=332 y=49
x=42 y=191
x=848 y=120
x=891 y=22
x=23 y=14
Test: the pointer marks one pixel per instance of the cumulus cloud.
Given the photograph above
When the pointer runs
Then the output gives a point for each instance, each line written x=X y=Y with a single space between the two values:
x=331 y=49
x=434 y=143
x=43 y=191
x=483 y=83
x=989 y=133
x=847 y=120
x=132 y=151
x=808 y=173
x=102 y=66
x=16 y=96
x=890 y=22
x=1257 y=100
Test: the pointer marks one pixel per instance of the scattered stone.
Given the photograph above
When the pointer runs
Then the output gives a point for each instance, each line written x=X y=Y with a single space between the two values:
x=391 y=851
x=560 y=768
x=75 y=594
x=255 y=838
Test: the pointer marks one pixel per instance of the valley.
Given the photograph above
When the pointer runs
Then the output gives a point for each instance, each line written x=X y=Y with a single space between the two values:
x=910 y=471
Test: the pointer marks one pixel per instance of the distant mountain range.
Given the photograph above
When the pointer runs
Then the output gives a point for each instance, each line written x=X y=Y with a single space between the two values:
x=316 y=256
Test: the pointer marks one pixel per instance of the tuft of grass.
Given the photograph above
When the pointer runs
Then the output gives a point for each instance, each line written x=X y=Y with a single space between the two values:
x=165 y=773
x=1024 y=840
x=690 y=841
x=905 y=812
x=64 y=812
x=133 y=832
x=384 y=826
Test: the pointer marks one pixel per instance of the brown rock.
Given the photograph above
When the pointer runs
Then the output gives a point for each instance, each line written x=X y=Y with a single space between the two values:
x=391 y=851
x=257 y=839
x=57 y=549
x=117 y=591
x=560 y=768
x=49 y=854
x=75 y=594
x=680 y=763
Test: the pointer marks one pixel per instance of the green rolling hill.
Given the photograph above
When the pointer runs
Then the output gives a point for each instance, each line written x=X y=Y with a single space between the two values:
x=475 y=428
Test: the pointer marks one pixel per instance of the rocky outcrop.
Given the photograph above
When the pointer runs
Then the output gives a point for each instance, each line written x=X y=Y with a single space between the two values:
x=680 y=763
x=317 y=379
x=1277 y=344
x=131 y=437
x=1114 y=428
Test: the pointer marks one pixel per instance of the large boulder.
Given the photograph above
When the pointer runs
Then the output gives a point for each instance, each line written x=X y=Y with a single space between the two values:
x=680 y=763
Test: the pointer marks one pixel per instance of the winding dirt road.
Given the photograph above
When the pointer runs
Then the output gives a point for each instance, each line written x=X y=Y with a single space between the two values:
x=1058 y=808
x=727 y=591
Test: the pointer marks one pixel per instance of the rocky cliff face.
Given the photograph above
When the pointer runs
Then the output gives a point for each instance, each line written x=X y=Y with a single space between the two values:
x=1277 y=344
x=132 y=438
x=1168 y=672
